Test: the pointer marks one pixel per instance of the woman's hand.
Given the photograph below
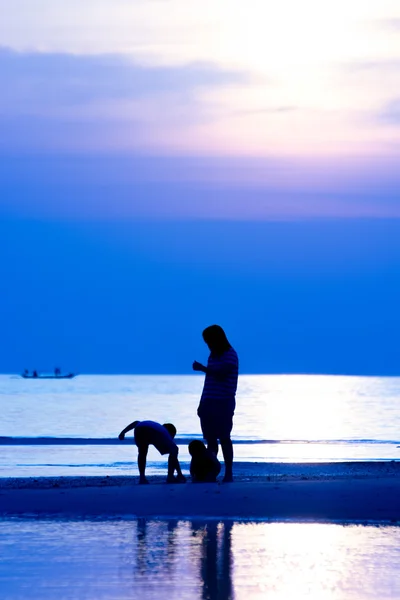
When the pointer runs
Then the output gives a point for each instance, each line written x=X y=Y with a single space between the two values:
x=198 y=367
x=121 y=436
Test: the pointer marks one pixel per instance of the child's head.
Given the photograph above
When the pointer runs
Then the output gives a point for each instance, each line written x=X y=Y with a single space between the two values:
x=171 y=429
x=196 y=448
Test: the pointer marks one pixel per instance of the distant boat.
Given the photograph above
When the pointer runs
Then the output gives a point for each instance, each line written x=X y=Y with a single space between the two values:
x=56 y=375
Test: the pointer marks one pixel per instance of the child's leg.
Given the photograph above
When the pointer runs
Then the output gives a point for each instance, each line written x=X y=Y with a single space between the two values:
x=173 y=465
x=142 y=456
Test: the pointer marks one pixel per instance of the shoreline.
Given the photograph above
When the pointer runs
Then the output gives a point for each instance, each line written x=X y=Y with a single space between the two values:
x=243 y=471
x=329 y=492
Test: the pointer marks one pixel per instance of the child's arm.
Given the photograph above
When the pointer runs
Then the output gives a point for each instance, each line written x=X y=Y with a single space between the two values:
x=127 y=428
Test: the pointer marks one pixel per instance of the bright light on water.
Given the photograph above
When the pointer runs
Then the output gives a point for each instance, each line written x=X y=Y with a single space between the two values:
x=279 y=418
x=212 y=560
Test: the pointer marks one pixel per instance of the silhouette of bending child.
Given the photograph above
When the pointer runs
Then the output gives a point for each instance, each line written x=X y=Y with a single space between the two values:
x=161 y=437
x=204 y=466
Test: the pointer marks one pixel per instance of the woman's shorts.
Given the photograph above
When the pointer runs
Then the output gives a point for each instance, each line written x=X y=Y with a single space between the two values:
x=216 y=426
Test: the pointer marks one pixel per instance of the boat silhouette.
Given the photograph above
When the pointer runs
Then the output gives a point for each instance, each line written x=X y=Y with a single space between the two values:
x=56 y=375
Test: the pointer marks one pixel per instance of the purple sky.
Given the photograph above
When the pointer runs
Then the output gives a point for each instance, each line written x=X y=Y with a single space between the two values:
x=208 y=111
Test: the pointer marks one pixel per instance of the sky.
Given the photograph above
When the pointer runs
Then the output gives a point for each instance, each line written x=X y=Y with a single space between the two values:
x=166 y=165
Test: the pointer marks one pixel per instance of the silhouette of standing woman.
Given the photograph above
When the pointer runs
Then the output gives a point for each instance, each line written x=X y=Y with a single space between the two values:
x=217 y=403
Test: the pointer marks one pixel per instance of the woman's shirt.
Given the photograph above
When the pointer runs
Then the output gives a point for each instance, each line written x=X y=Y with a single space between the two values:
x=221 y=379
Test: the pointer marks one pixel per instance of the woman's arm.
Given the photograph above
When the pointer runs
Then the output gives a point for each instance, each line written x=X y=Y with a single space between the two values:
x=199 y=367
x=221 y=370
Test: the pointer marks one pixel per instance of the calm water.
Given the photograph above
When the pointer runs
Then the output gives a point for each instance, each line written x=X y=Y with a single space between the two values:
x=47 y=559
x=278 y=418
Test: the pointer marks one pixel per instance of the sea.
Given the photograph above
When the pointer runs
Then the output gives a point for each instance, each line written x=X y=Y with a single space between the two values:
x=70 y=427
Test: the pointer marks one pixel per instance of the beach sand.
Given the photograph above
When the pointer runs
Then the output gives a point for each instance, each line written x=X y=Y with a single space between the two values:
x=322 y=492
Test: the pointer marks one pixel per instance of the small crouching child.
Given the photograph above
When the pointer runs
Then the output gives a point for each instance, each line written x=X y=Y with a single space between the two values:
x=161 y=437
x=204 y=466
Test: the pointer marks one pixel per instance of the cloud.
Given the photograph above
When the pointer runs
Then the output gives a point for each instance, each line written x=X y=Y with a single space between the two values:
x=79 y=101
x=36 y=133
x=391 y=112
x=377 y=82
x=373 y=65
x=39 y=79
x=265 y=111
x=390 y=24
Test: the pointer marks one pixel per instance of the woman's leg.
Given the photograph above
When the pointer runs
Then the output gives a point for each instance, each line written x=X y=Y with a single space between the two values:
x=207 y=423
x=212 y=445
x=227 y=451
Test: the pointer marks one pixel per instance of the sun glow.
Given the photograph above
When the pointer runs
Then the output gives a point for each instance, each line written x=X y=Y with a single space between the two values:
x=306 y=78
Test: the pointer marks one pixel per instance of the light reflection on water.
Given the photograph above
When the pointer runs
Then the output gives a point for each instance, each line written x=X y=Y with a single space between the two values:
x=353 y=418
x=272 y=407
x=202 y=560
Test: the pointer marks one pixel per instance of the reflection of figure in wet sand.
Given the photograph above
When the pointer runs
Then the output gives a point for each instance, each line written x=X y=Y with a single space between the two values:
x=216 y=559
x=156 y=547
x=142 y=565
x=165 y=558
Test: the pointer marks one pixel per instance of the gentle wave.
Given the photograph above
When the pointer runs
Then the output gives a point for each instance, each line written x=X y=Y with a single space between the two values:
x=79 y=441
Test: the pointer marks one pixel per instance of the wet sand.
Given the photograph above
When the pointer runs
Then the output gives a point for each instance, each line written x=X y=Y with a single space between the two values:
x=349 y=492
